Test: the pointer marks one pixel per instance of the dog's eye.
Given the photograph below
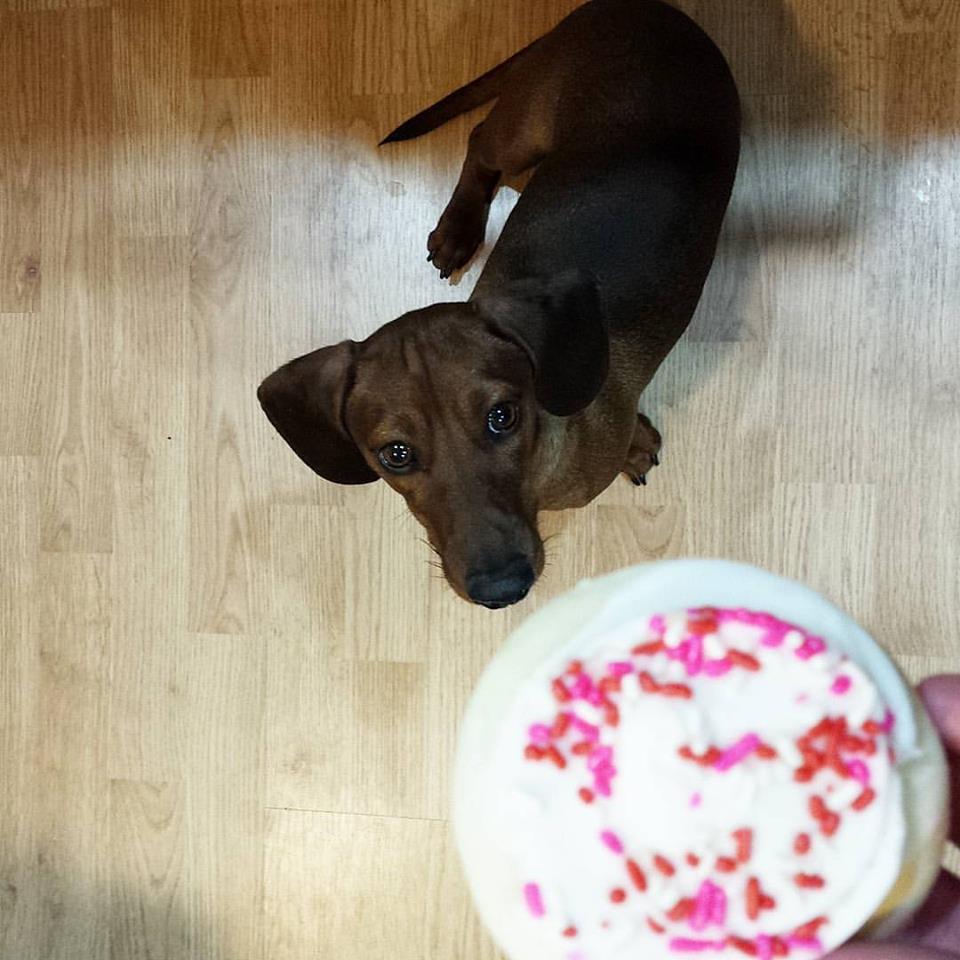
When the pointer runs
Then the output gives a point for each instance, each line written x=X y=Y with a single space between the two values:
x=396 y=456
x=502 y=418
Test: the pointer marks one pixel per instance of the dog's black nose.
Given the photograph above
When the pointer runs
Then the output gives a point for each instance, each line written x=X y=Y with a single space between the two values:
x=503 y=585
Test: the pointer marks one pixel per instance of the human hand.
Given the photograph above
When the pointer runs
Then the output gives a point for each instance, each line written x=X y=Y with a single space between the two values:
x=934 y=934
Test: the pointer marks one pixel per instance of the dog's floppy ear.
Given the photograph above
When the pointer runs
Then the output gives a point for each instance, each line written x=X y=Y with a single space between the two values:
x=305 y=401
x=558 y=324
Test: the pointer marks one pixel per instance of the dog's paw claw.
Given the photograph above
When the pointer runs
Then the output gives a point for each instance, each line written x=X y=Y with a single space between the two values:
x=456 y=238
x=643 y=454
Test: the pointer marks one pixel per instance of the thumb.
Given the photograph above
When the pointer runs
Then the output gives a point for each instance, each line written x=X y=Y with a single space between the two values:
x=888 y=951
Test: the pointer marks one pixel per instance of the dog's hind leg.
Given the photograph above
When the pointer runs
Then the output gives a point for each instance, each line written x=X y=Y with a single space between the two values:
x=513 y=138
x=644 y=451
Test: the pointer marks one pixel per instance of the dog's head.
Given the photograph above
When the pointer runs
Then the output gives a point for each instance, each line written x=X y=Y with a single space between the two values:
x=447 y=404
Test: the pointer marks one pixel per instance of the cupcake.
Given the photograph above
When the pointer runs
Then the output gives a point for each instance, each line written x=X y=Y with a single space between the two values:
x=695 y=757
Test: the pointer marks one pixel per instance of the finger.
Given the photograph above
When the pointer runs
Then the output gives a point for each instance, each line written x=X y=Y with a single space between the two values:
x=938 y=922
x=889 y=951
x=941 y=696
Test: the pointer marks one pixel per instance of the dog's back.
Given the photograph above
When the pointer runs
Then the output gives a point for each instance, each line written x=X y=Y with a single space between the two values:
x=643 y=158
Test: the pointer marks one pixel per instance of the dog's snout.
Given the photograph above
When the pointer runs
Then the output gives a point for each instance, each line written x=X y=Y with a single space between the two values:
x=502 y=585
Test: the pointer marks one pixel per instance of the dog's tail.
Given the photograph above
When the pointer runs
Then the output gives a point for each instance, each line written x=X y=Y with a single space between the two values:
x=467 y=97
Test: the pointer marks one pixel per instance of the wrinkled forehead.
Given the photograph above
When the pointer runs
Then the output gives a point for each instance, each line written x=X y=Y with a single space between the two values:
x=433 y=363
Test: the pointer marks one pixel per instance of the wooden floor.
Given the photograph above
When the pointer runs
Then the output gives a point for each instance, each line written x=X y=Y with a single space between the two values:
x=229 y=692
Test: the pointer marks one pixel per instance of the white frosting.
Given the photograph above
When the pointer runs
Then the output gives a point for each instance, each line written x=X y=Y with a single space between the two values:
x=521 y=822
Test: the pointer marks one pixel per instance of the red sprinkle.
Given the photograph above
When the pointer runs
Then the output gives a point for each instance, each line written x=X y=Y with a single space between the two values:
x=664 y=865
x=647 y=683
x=753 y=898
x=744 y=946
x=678 y=690
x=818 y=809
x=701 y=627
x=801 y=844
x=744 y=839
x=872 y=728
x=618 y=895
x=803 y=774
x=726 y=864
x=766 y=752
x=707 y=759
x=693 y=860
x=586 y=794
x=611 y=715
x=610 y=685
x=570 y=932
x=532 y=752
x=810 y=929
x=654 y=926
x=864 y=800
x=809 y=881
x=555 y=756
x=681 y=910
x=648 y=649
x=830 y=824
x=582 y=748
x=745 y=660
x=560 y=726
x=822 y=728
x=637 y=876
x=560 y=692
x=767 y=902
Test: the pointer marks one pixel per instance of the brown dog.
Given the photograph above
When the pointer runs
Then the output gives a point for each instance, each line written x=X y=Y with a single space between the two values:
x=524 y=398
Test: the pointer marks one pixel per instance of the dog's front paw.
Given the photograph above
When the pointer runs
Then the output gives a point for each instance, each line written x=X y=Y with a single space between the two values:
x=458 y=234
x=644 y=452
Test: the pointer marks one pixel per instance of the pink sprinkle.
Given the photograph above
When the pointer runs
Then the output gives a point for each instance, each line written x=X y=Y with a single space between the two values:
x=658 y=624
x=531 y=893
x=718 y=909
x=717 y=668
x=774 y=636
x=591 y=732
x=581 y=686
x=619 y=669
x=600 y=757
x=684 y=945
x=539 y=734
x=696 y=799
x=764 y=947
x=889 y=718
x=814 y=943
x=810 y=648
x=602 y=786
x=738 y=752
x=694 y=661
x=611 y=841
x=859 y=771
x=842 y=684
x=680 y=652
x=594 y=697
x=703 y=912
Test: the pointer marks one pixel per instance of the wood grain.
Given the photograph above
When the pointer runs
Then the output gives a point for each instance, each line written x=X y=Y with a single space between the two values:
x=230 y=692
